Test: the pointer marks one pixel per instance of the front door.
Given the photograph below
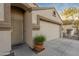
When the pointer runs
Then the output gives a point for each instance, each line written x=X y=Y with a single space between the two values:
x=17 y=25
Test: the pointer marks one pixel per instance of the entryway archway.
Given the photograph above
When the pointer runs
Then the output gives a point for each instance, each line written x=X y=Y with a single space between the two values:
x=17 y=17
x=22 y=17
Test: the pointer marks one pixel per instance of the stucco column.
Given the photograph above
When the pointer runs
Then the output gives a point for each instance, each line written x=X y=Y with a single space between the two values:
x=61 y=31
x=28 y=28
x=5 y=29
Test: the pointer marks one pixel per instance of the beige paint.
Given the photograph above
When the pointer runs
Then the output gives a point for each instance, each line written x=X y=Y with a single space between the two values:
x=7 y=19
x=48 y=24
x=1 y=12
x=50 y=30
x=65 y=27
x=5 y=32
x=5 y=42
x=27 y=23
x=5 y=27
x=28 y=28
x=17 y=25
x=48 y=13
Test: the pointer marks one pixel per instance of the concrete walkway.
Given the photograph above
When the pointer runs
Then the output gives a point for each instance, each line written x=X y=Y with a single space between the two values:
x=23 y=50
x=57 y=47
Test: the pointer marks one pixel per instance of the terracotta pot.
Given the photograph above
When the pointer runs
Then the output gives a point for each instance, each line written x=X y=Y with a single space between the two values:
x=38 y=46
x=39 y=43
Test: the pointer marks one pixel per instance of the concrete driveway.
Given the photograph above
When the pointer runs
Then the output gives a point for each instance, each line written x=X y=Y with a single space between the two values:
x=56 y=47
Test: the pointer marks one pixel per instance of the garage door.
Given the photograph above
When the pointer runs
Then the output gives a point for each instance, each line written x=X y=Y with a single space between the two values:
x=50 y=30
x=17 y=25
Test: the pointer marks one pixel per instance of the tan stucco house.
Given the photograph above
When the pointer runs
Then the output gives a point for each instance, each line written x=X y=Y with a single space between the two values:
x=69 y=30
x=21 y=22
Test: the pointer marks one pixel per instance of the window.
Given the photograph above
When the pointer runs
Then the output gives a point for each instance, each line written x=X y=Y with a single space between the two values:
x=69 y=31
x=54 y=13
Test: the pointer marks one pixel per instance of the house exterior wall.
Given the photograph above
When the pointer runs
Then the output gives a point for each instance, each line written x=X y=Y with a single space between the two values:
x=5 y=42
x=29 y=19
x=17 y=17
x=28 y=29
x=65 y=27
x=27 y=23
x=5 y=32
x=46 y=27
x=46 y=13
x=49 y=30
x=5 y=26
x=1 y=12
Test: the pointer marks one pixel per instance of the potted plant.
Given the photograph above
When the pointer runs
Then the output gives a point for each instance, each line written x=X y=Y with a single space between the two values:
x=39 y=43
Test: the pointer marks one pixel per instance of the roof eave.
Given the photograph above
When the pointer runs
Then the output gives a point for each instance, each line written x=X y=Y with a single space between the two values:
x=41 y=8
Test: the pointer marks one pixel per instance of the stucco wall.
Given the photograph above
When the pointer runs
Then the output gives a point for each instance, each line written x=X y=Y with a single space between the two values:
x=5 y=42
x=1 y=12
x=27 y=22
x=45 y=13
x=5 y=33
x=28 y=29
x=65 y=27
x=49 y=30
